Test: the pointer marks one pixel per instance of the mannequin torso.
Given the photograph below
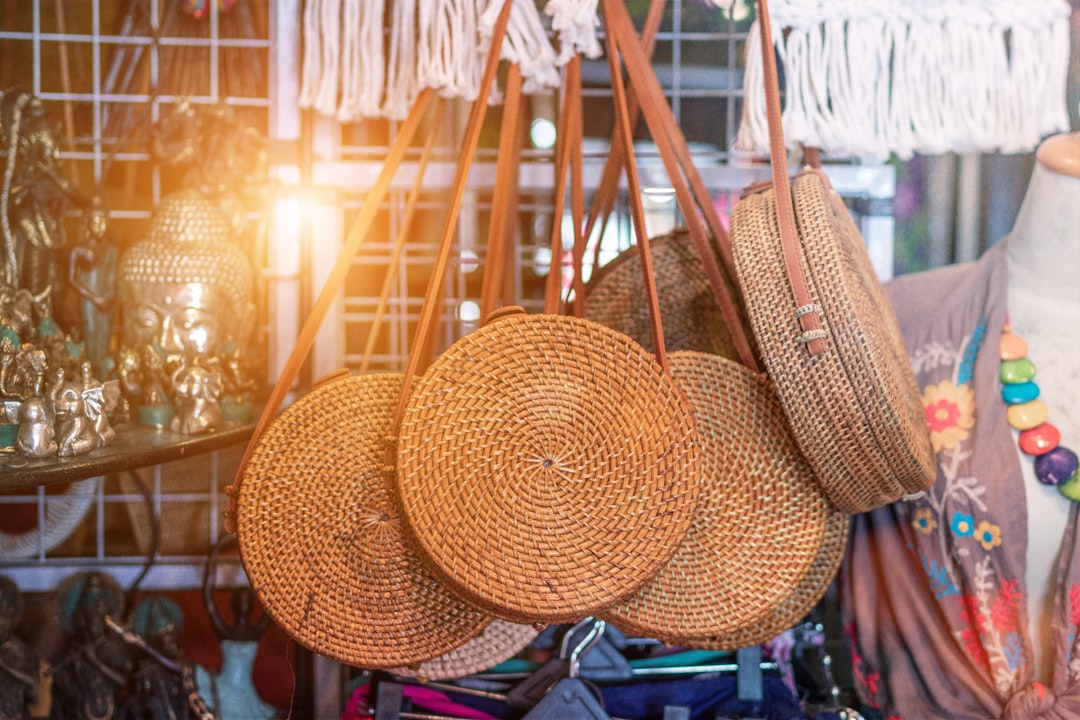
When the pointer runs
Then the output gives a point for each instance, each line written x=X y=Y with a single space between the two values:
x=1043 y=260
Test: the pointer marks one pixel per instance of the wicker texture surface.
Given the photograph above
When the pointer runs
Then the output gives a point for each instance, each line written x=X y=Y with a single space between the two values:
x=322 y=541
x=855 y=409
x=761 y=519
x=500 y=641
x=615 y=296
x=547 y=467
x=800 y=600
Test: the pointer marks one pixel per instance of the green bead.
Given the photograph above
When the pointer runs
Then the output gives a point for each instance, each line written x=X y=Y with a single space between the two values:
x=1017 y=371
x=1071 y=487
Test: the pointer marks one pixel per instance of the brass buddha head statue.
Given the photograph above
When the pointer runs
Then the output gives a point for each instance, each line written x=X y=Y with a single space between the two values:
x=186 y=287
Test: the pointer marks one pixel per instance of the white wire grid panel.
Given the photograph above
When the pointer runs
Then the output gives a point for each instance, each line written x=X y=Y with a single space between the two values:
x=107 y=71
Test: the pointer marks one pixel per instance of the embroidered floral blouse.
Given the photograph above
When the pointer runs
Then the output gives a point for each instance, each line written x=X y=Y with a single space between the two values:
x=933 y=589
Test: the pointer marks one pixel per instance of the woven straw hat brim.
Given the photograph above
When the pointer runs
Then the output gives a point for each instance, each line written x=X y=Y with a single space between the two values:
x=547 y=467
x=615 y=296
x=800 y=601
x=322 y=541
x=499 y=642
x=761 y=520
x=855 y=408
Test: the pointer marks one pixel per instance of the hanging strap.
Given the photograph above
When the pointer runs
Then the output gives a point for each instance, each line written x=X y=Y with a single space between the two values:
x=608 y=189
x=577 y=185
x=503 y=198
x=626 y=139
x=404 y=232
x=677 y=161
x=807 y=313
x=354 y=240
x=470 y=141
x=568 y=139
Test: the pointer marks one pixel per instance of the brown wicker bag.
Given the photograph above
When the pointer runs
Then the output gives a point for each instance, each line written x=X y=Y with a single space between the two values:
x=763 y=523
x=321 y=534
x=692 y=318
x=499 y=642
x=548 y=465
x=827 y=332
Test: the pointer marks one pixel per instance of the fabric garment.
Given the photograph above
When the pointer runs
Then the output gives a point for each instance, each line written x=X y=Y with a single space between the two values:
x=933 y=589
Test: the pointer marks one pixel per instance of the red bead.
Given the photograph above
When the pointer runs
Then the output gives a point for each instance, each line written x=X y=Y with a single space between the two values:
x=1039 y=440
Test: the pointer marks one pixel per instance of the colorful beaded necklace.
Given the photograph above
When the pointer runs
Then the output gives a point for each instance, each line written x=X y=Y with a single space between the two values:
x=1055 y=464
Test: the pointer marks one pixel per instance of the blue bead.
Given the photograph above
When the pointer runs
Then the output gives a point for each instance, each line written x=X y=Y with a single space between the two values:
x=1019 y=393
x=1056 y=466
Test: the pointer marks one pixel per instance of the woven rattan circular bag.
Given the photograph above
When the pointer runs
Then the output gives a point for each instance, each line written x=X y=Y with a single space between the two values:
x=761 y=522
x=615 y=296
x=825 y=329
x=321 y=536
x=855 y=408
x=547 y=466
x=499 y=642
x=799 y=603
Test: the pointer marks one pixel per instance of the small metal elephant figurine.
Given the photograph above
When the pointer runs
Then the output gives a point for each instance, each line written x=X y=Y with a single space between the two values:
x=196 y=391
x=75 y=434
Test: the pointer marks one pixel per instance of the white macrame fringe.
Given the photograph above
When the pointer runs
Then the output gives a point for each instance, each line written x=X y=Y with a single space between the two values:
x=526 y=44
x=311 y=69
x=872 y=77
x=448 y=52
x=363 y=66
x=349 y=74
x=401 y=84
x=575 y=21
x=326 y=93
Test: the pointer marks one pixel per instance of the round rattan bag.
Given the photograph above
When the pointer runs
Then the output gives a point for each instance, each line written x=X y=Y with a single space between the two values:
x=762 y=520
x=855 y=409
x=614 y=296
x=499 y=642
x=547 y=466
x=799 y=603
x=321 y=536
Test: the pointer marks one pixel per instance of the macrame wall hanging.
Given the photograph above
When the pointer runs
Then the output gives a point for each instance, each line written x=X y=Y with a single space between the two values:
x=348 y=72
x=872 y=77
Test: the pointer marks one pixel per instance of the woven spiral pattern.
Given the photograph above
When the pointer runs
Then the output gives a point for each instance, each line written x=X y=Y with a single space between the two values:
x=499 y=642
x=547 y=467
x=321 y=536
x=761 y=520
x=855 y=408
x=615 y=296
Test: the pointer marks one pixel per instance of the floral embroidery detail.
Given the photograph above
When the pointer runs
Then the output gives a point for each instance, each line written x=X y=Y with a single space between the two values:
x=950 y=413
x=971 y=636
x=962 y=524
x=867 y=680
x=1014 y=651
x=988 y=534
x=1005 y=611
x=940 y=582
x=924 y=520
x=971 y=352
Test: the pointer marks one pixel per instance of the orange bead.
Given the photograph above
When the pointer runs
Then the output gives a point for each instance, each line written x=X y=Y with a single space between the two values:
x=1012 y=347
